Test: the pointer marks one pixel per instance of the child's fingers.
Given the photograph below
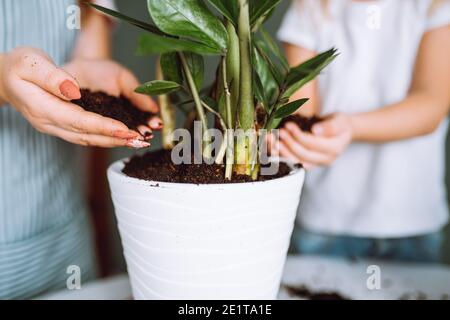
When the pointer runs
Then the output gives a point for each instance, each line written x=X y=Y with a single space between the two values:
x=311 y=142
x=331 y=127
x=128 y=83
x=303 y=154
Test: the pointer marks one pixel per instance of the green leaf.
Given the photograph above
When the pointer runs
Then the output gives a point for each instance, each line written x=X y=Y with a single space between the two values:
x=143 y=25
x=289 y=108
x=261 y=8
x=274 y=48
x=197 y=66
x=152 y=44
x=264 y=75
x=191 y=19
x=307 y=71
x=276 y=71
x=171 y=67
x=158 y=87
x=260 y=93
x=228 y=8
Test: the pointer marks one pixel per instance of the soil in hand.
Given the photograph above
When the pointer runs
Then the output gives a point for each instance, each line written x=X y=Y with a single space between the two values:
x=158 y=166
x=118 y=108
x=304 y=123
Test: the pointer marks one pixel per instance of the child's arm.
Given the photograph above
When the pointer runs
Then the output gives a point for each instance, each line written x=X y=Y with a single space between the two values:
x=427 y=104
x=296 y=56
x=418 y=114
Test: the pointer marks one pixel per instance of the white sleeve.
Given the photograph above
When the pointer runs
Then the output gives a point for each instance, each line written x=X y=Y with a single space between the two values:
x=439 y=16
x=299 y=26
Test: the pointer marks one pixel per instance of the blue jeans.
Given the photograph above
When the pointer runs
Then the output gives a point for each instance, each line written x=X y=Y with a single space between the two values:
x=425 y=248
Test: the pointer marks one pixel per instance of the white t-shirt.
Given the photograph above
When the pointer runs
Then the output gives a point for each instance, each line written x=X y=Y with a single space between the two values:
x=383 y=191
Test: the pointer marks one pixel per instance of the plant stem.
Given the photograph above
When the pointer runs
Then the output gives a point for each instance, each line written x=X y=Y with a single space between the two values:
x=233 y=70
x=198 y=105
x=229 y=132
x=246 y=103
x=167 y=115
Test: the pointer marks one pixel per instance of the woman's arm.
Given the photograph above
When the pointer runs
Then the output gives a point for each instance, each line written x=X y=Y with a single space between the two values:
x=94 y=41
x=427 y=104
x=2 y=94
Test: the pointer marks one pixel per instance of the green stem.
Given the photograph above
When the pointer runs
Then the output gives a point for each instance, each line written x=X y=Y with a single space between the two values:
x=167 y=115
x=229 y=132
x=246 y=103
x=233 y=70
x=198 y=105
x=246 y=107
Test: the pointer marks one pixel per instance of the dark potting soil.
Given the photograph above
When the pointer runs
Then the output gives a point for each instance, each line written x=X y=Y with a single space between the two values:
x=304 y=123
x=158 y=166
x=118 y=108
x=305 y=293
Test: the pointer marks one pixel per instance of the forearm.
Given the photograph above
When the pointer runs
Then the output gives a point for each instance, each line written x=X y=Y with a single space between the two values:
x=94 y=41
x=2 y=90
x=418 y=115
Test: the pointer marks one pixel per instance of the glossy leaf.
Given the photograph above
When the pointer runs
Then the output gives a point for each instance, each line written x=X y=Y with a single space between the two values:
x=171 y=67
x=289 y=108
x=190 y=19
x=158 y=87
x=151 y=44
x=268 y=82
x=276 y=71
x=228 y=8
x=274 y=48
x=143 y=25
x=260 y=92
x=197 y=66
x=261 y=8
x=307 y=71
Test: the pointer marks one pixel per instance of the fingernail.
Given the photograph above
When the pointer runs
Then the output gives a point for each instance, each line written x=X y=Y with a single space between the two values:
x=148 y=135
x=69 y=90
x=137 y=144
x=125 y=134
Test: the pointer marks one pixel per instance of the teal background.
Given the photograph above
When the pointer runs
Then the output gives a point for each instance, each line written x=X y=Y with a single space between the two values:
x=125 y=39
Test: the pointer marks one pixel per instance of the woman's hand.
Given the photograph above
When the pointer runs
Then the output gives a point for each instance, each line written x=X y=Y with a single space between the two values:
x=330 y=138
x=41 y=92
x=112 y=78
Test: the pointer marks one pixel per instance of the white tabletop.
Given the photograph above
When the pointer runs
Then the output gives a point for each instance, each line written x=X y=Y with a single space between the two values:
x=317 y=274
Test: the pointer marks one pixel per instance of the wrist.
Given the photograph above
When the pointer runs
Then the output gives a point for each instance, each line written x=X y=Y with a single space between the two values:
x=354 y=121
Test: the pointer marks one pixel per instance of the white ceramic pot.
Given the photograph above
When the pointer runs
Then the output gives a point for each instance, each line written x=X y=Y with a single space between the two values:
x=187 y=241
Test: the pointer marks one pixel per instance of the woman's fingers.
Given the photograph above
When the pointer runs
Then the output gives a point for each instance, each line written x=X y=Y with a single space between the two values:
x=155 y=123
x=86 y=139
x=128 y=83
x=36 y=67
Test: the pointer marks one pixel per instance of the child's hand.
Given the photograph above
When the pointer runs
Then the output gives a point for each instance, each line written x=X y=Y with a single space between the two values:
x=329 y=139
x=41 y=92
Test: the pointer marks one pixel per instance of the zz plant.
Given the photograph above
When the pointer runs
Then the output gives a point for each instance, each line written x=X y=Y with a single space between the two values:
x=254 y=81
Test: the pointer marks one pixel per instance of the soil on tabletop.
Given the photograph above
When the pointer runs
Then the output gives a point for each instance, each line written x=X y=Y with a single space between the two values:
x=305 y=293
x=118 y=108
x=158 y=166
